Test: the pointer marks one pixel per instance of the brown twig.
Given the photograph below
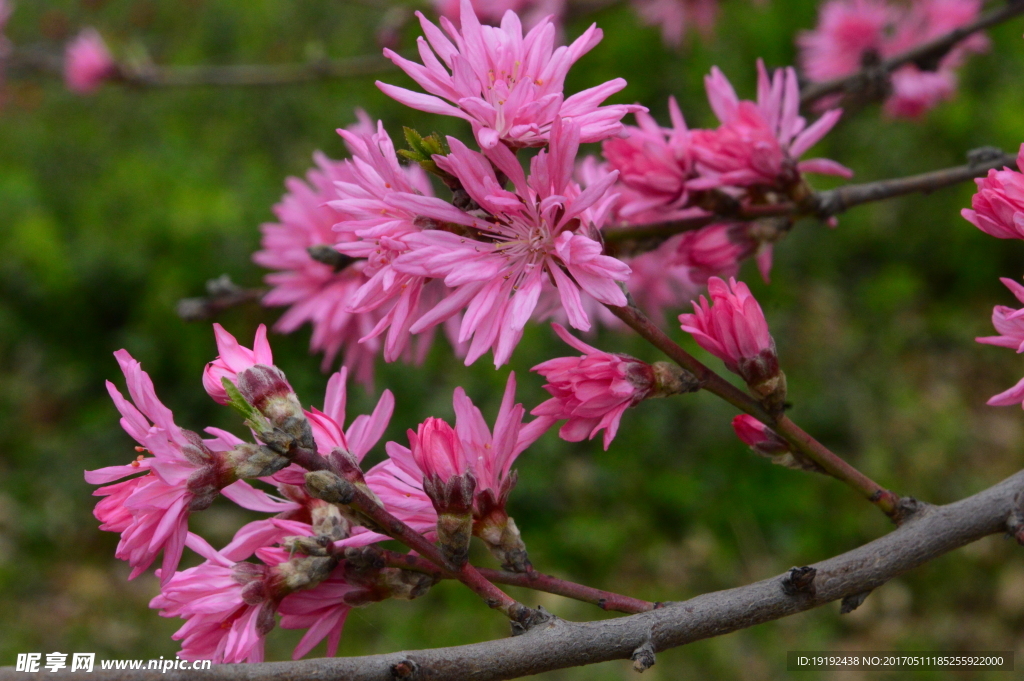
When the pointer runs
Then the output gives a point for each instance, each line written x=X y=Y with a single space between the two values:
x=927 y=55
x=606 y=600
x=558 y=644
x=834 y=465
x=221 y=294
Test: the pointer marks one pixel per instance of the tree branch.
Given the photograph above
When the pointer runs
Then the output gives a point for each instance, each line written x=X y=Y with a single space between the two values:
x=930 y=533
x=606 y=600
x=221 y=294
x=926 y=55
x=833 y=464
x=823 y=204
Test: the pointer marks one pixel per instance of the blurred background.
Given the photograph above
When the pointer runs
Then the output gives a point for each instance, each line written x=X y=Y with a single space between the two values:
x=113 y=207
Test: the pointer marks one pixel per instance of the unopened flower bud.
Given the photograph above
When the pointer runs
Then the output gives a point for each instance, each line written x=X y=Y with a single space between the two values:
x=734 y=329
x=498 y=530
x=453 y=501
x=406 y=584
x=592 y=392
x=328 y=521
x=329 y=487
x=348 y=467
x=301 y=572
x=249 y=460
x=766 y=442
x=506 y=543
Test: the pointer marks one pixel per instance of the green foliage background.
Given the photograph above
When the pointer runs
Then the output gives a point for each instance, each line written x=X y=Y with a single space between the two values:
x=115 y=206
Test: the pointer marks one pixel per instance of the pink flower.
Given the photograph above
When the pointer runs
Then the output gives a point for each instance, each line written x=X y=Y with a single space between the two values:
x=509 y=87
x=593 y=391
x=759 y=143
x=233 y=359
x=88 y=62
x=182 y=476
x=545 y=225
x=659 y=281
x=675 y=16
x=317 y=292
x=402 y=494
x=1008 y=322
x=228 y=606
x=852 y=31
x=531 y=12
x=998 y=206
x=654 y=165
x=470 y=447
x=1010 y=325
x=758 y=436
x=322 y=610
x=733 y=329
x=374 y=229
x=847 y=30
x=915 y=91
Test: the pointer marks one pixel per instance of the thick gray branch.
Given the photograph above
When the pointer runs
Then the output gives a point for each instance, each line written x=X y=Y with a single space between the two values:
x=930 y=532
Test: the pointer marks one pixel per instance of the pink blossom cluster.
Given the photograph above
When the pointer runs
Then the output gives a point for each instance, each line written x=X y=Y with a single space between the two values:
x=678 y=173
x=88 y=63
x=855 y=33
x=501 y=255
x=997 y=209
x=229 y=602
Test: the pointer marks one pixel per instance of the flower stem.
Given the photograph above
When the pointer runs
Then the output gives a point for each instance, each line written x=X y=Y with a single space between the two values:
x=833 y=464
x=606 y=600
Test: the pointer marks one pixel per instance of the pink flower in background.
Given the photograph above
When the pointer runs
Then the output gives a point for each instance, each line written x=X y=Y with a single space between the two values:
x=373 y=229
x=530 y=12
x=545 y=225
x=758 y=436
x=852 y=31
x=998 y=206
x=232 y=359
x=151 y=512
x=760 y=143
x=915 y=91
x=317 y=292
x=676 y=16
x=507 y=86
x=733 y=328
x=847 y=31
x=654 y=164
x=593 y=391
x=659 y=282
x=718 y=250
x=87 y=62
x=1008 y=321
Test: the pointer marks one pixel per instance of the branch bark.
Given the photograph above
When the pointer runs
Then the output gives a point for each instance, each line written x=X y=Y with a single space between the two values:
x=930 y=533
